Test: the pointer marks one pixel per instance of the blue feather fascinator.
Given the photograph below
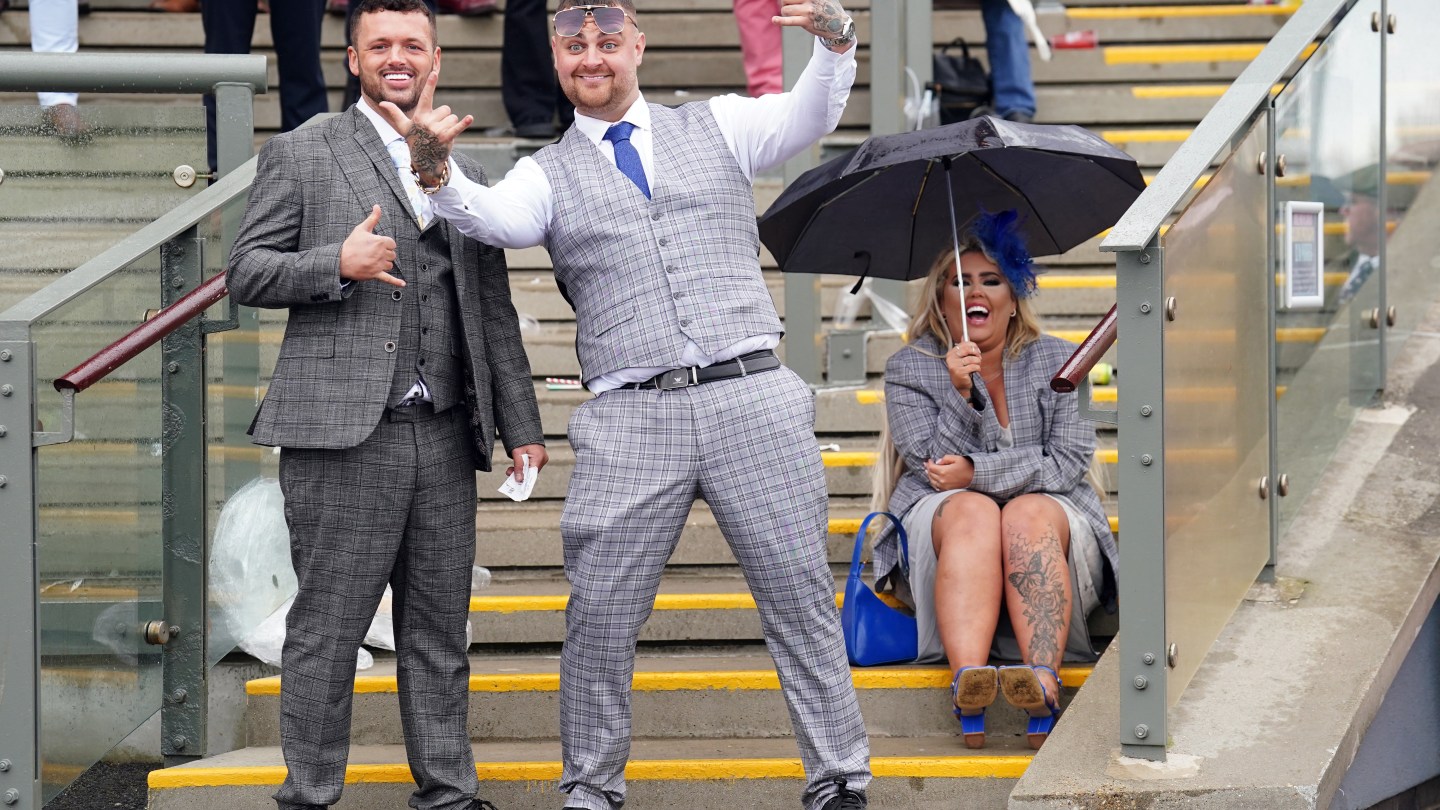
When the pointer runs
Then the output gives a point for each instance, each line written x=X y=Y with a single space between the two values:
x=1000 y=235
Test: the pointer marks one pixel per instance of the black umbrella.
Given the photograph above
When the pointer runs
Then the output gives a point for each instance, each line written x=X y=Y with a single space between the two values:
x=886 y=209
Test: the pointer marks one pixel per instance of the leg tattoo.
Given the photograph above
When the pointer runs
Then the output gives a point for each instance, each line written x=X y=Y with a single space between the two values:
x=1039 y=581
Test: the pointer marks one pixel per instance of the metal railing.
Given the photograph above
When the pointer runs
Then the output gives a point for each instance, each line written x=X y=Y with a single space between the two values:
x=88 y=500
x=1207 y=429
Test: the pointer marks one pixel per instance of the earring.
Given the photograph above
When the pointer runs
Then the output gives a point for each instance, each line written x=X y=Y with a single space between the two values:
x=1012 y=312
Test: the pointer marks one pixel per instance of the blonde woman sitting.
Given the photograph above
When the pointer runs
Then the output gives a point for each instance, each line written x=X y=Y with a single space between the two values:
x=992 y=491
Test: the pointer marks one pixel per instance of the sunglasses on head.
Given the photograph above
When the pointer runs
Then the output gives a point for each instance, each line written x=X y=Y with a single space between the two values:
x=609 y=19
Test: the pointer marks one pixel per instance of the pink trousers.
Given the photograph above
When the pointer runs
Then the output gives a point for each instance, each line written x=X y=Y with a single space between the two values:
x=760 y=46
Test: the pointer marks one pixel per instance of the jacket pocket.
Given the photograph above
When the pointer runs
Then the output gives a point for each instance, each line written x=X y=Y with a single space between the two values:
x=611 y=317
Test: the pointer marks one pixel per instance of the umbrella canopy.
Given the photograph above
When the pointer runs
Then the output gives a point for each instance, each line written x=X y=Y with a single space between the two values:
x=883 y=210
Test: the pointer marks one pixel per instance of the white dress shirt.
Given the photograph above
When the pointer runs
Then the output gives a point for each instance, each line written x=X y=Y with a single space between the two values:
x=761 y=133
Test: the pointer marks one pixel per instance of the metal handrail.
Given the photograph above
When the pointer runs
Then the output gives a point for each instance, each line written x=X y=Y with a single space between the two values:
x=128 y=72
x=1215 y=136
x=143 y=336
x=1077 y=368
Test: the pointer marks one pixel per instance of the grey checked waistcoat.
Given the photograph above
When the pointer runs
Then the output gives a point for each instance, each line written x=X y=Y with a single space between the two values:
x=645 y=275
x=428 y=345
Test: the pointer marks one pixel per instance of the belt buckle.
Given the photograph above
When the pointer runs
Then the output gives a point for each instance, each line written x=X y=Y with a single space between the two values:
x=676 y=378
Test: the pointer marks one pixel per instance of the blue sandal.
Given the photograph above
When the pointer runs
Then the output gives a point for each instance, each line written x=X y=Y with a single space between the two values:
x=971 y=691
x=1023 y=689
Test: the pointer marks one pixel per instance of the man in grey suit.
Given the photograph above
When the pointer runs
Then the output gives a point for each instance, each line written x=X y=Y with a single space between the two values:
x=401 y=361
x=648 y=213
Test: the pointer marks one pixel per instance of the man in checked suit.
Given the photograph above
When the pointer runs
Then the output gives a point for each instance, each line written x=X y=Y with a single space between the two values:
x=649 y=216
x=401 y=361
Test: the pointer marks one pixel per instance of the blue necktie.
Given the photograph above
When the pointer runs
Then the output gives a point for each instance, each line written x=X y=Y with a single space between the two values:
x=627 y=160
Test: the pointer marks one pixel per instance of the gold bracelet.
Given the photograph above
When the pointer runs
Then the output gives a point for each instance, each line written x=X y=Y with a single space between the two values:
x=444 y=178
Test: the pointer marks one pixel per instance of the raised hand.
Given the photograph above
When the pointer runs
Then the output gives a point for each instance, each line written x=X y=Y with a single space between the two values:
x=823 y=18
x=429 y=131
x=364 y=255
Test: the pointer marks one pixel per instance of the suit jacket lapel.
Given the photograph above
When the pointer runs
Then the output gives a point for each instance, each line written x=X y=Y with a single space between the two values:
x=367 y=164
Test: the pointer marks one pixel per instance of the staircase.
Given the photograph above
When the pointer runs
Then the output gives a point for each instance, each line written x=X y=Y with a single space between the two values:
x=710 y=725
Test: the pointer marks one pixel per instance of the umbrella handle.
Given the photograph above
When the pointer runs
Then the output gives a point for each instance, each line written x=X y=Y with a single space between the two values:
x=977 y=399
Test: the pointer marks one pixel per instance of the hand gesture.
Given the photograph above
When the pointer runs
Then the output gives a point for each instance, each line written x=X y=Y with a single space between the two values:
x=538 y=458
x=961 y=361
x=429 y=131
x=823 y=18
x=365 y=255
x=950 y=472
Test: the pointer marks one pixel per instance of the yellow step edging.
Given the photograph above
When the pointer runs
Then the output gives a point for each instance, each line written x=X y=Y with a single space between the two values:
x=866 y=458
x=1150 y=12
x=967 y=767
x=700 y=681
x=1175 y=54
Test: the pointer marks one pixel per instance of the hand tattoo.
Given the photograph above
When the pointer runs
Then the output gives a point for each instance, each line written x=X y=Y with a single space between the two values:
x=427 y=153
x=1040 y=583
x=826 y=15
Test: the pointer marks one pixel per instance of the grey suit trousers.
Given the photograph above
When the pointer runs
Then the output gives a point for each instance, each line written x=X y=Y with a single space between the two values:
x=642 y=457
x=399 y=508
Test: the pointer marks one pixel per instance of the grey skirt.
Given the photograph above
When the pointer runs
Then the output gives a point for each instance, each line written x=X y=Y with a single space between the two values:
x=1086 y=572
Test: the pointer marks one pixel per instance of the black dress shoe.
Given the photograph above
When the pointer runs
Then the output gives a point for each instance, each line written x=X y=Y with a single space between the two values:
x=845 y=799
x=481 y=804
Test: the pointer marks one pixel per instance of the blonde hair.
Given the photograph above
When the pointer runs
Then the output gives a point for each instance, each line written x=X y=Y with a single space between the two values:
x=928 y=319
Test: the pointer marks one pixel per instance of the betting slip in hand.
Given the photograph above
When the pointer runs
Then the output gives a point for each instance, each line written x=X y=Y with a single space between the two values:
x=516 y=490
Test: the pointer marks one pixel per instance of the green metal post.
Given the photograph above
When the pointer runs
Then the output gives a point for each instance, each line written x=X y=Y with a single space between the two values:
x=19 y=578
x=898 y=29
x=183 y=492
x=1143 y=650
x=234 y=145
x=803 y=334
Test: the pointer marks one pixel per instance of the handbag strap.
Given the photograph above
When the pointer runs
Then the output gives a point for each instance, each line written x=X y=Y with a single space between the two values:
x=856 y=559
x=957 y=42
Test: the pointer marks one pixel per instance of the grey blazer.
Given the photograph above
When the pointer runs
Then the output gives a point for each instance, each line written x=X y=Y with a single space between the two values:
x=1052 y=449
x=312 y=187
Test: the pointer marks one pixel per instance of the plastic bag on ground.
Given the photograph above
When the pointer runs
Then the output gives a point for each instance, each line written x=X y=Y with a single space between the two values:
x=250 y=576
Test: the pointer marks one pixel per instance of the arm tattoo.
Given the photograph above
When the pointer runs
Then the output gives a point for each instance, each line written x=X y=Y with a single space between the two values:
x=427 y=154
x=1041 y=586
x=826 y=15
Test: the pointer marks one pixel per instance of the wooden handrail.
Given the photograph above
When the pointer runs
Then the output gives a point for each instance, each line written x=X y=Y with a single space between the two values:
x=1099 y=341
x=143 y=336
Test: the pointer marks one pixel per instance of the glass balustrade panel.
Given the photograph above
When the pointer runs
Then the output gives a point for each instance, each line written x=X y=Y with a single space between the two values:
x=1217 y=530
x=1328 y=361
x=1412 y=264
x=99 y=529
x=68 y=195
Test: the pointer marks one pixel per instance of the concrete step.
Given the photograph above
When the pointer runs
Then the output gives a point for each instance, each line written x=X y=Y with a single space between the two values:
x=527 y=536
x=130 y=473
x=695 y=604
x=915 y=773
x=733 y=694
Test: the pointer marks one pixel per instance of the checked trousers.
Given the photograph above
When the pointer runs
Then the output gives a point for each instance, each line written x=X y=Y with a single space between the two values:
x=747 y=446
x=397 y=509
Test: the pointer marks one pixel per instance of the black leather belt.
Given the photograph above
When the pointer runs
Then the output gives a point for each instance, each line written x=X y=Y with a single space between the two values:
x=694 y=375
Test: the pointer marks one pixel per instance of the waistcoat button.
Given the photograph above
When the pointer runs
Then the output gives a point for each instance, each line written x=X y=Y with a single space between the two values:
x=655 y=216
x=390 y=346
x=395 y=295
x=664 y=241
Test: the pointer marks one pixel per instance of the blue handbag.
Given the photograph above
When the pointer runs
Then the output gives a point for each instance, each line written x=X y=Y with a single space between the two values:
x=876 y=633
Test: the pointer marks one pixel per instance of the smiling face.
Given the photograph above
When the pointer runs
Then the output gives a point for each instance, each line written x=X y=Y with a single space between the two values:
x=393 y=52
x=598 y=71
x=983 y=300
